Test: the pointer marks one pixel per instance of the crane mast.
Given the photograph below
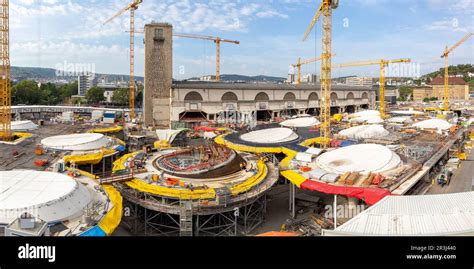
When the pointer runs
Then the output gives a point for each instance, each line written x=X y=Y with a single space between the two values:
x=382 y=63
x=217 y=41
x=132 y=7
x=325 y=9
x=445 y=55
x=5 y=87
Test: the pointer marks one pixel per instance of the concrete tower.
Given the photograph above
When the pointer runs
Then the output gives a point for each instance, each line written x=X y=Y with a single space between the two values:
x=158 y=74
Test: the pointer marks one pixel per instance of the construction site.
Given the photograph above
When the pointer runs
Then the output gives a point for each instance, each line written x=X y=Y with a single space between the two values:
x=237 y=159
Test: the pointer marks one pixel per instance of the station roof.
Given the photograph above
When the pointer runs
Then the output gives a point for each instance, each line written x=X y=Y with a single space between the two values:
x=421 y=215
x=260 y=86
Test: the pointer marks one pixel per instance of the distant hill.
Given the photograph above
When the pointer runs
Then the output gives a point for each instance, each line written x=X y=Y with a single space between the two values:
x=21 y=73
x=234 y=77
x=460 y=69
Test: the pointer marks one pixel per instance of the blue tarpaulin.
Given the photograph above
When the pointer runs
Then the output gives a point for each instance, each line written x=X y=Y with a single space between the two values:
x=93 y=232
x=120 y=148
x=347 y=143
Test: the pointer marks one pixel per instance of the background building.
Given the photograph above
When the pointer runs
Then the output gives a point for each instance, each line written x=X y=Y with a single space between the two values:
x=359 y=81
x=85 y=82
x=458 y=88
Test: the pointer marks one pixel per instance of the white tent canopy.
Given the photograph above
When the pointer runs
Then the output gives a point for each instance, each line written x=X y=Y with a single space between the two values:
x=167 y=135
x=363 y=158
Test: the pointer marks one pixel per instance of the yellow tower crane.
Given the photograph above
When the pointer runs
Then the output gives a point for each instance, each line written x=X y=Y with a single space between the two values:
x=325 y=9
x=382 y=63
x=130 y=7
x=5 y=87
x=216 y=40
x=445 y=55
x=304 y=62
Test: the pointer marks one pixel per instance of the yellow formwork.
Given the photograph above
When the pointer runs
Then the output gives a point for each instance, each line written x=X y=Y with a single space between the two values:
x=187 y=194
x=110 y=130
x=93 y=158
x=170 y=192
x=294 y=177
x=112 y=219
x=253 y=181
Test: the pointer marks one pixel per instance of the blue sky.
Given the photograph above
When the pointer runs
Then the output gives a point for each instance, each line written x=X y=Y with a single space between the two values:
x=48 y=33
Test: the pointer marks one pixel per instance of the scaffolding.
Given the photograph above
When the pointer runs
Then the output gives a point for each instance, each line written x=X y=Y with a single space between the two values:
x=142 y=216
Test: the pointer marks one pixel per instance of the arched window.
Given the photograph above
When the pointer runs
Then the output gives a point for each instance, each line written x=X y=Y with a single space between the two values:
x=229 y=97
x=365 y=95
x=313 y=96
x=350 y=95
x=334 y=96
x=289 y=97
x=193 y=96
x=261 y=97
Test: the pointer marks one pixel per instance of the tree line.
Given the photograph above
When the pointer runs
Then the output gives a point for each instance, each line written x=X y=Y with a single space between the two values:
x=30 y=92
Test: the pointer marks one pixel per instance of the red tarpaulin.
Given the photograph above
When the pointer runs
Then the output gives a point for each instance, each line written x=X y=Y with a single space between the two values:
x=204 y=129
x=369 y=195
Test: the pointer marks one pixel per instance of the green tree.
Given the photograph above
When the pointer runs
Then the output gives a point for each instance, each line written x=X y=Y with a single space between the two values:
x=95 y=95
x=26 y=92
x=68 y=90
x=406 y=92
x=120 y=96
x=50 y=94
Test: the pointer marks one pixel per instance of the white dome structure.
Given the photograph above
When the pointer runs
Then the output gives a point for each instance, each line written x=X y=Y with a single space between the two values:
x=22 y=126
x=365 y=113
x=363 y=158
x=76 y=142
x=368 y=119
x=270 y=136
x=365 y=131
x=438 y=124
x=406 y=112
x=300 y=122
x=51 y=197
x=400 y=119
